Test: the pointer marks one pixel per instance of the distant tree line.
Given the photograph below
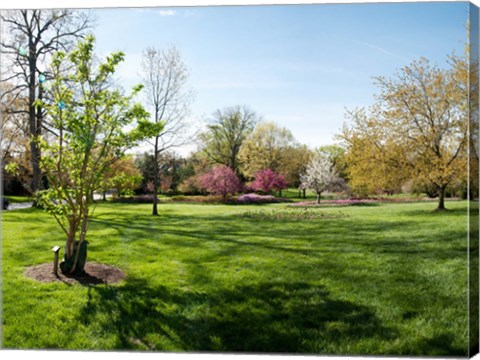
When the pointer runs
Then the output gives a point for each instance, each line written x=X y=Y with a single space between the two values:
x=414 y=139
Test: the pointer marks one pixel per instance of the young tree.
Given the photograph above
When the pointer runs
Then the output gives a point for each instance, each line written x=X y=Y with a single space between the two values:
x=30 y=39
x=221 y=180
x=89 y=117
x=226 y=133
x=267 y=180
x=320 y=175
x=165 y=78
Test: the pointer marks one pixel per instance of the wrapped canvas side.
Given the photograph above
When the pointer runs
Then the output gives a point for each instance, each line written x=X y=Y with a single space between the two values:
x=474 y=182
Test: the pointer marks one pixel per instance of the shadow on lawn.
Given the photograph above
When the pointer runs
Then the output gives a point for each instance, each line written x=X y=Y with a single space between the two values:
x=266 y=317
x=311 y=238
x=448 y=212
x=287 y=317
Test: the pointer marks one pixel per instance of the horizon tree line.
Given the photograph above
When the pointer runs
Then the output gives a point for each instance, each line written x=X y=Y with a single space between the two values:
x=415 y=138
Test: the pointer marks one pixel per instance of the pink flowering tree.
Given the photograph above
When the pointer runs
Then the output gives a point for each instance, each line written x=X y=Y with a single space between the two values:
x=268 y=180
x=221 y=180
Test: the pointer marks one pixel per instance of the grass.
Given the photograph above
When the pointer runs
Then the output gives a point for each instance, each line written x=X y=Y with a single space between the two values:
x=383 y=280
x=18 y=199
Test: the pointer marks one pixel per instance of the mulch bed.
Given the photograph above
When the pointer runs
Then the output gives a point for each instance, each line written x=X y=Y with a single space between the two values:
x=96 y=274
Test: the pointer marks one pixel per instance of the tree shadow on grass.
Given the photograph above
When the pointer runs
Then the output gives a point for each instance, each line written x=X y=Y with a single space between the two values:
x=437 y=345
x=287 y=317
x=310 y=239
x=365 y=204
x=266 y=317
x=433 y=212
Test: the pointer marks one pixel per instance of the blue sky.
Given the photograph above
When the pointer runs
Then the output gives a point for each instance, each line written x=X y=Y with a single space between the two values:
x=297 y=65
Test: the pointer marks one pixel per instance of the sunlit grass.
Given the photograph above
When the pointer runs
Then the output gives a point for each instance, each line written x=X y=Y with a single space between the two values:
x=18 y=199
x=388 y=279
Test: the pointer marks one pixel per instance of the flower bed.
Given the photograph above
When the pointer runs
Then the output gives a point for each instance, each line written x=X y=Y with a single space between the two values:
x=296 y=214
x=368 y=201
x=253 y=198
x=198 y=199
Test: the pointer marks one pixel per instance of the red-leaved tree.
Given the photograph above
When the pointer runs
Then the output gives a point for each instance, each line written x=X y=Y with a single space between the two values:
x=268 y=180
x=221 y=180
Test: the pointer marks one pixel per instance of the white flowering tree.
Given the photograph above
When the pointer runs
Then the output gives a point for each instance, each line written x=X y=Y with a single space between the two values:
x=320 y=175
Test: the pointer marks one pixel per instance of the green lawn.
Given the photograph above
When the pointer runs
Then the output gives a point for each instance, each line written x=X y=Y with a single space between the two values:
x=18 y=199
x=384 y=279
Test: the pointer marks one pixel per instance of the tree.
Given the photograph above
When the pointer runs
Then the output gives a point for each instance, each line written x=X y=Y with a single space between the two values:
x=221 y=180
x=14 y=141
x=372 y=163
x=336 y=154
x=268 y=180
x=146 y=164
x=295 y=164
x=89 y=117
x=320 y=175
x=418 y=127
x=123 y=176
x=225 y=135
x=267 y=147
x=165 y=78
x=192 y=185
x=32 y=37
x=12 y=124
x=172 y=168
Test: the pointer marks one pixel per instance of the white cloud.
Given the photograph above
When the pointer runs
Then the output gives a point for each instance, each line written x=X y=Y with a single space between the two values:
x=167 y=12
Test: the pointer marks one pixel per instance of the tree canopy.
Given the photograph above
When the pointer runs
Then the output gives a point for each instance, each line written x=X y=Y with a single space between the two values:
x=319 y=175
x=32 y=37
x=225 y=135
x=267 y=147
x=416 y=130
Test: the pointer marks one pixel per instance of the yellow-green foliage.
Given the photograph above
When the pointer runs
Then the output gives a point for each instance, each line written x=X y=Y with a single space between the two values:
x=416 y=130
x=267 y=147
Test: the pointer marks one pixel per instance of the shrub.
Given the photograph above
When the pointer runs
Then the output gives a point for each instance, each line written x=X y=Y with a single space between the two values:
x=191 y=186
x=198 y=199
x=140 y=199
x=257 y=199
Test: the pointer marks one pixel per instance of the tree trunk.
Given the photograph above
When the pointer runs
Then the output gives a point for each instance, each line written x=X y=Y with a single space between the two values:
x=83 y=231
x=69 y=244
x=441 y=198
x=34 y=122
x=279 y=193
x=318 y=198
x=156 y=179
x=304 y=193
x=104 y=196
